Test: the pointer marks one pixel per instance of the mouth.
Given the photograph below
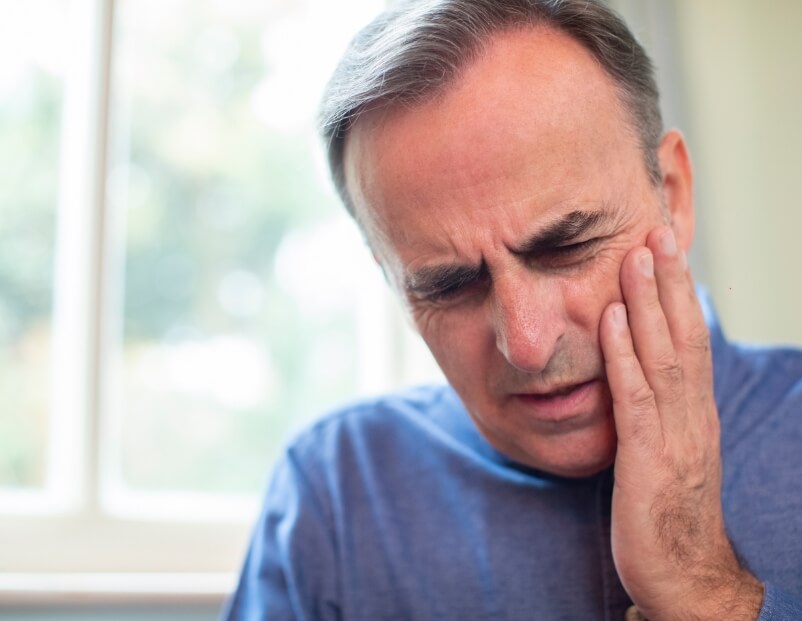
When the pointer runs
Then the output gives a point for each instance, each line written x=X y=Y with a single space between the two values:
x=561 y=392
x=569 y=401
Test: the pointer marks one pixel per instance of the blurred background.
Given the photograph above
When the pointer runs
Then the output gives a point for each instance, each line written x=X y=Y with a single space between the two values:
x=180 y=290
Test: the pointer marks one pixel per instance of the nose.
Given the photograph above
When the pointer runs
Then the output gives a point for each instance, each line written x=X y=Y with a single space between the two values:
x=529 y=320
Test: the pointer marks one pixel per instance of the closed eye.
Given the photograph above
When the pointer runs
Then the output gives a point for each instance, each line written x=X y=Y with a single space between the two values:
x=575 y=248
x=456 y=290
x=567 y=255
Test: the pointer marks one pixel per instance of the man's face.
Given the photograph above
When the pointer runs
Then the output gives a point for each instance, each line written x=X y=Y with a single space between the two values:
x=501 y=211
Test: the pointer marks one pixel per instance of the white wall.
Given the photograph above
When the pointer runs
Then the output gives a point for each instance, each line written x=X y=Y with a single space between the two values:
x=741 y=60
x=730 y=74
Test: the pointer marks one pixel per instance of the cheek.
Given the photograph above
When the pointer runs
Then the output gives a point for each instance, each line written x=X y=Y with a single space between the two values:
x=459 y=342
x=589 y=293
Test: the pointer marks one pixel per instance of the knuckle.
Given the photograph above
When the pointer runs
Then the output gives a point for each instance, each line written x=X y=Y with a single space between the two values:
x=641 y=399
x=652 y=306
x=668 y=370
x=697 y=340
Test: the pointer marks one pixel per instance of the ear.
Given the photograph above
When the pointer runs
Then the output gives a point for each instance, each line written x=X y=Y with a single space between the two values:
x=677 y=186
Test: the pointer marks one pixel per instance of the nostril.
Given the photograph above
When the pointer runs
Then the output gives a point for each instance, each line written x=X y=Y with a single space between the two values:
x=528 y=340
x=523 y=349
x=529 y=320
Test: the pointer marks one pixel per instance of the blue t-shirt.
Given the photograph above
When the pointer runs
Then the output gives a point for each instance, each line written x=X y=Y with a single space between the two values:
x=398 y=509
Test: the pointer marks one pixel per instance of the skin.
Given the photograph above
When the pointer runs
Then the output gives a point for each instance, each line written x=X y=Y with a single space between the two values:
x=514 y=215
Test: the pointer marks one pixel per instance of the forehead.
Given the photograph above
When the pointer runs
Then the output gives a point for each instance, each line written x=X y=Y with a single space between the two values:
x=524 y=122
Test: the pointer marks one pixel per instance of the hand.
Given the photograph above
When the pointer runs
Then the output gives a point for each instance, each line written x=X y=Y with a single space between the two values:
x=669 y=543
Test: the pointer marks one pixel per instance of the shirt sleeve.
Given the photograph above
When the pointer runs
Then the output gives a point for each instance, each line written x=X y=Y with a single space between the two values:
x=289 y=571
x=779 y=605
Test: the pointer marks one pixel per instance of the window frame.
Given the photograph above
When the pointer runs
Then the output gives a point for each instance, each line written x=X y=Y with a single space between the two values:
x=58 y=540
x=62 y=530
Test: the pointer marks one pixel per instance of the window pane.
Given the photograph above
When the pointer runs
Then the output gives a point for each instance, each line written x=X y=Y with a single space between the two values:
x=238 y=304
x=32 y=49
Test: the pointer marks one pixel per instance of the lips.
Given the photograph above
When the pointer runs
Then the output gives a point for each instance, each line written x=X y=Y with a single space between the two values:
x=560 y=404
x=562 y=391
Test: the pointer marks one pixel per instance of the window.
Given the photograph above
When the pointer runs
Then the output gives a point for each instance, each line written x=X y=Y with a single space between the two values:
x=233 y=297
x=32 y=102
x=179 y=287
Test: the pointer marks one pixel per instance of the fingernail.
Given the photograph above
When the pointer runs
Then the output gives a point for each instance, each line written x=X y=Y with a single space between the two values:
x=620 y=317
x=646 y=264
x=668 y=243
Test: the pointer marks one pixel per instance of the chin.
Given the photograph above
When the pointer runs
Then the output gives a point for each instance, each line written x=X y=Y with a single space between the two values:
x=583 y=469
x=581 y=454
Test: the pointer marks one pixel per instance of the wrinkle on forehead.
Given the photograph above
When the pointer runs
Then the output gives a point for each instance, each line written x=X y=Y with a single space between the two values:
x=473 y=163
x=483 y=103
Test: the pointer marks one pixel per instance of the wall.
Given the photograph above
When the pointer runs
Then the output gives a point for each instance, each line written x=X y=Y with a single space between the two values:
x=729 y=71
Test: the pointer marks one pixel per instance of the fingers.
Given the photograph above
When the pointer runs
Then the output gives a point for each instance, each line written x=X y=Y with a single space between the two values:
x=667 y=332
x=666 y=499
x=689 y=332
x=651 y=335
x=634 y=405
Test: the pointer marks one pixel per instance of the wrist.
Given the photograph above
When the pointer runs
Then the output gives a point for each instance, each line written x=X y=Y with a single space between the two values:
x=739 y=600
x=736 y=597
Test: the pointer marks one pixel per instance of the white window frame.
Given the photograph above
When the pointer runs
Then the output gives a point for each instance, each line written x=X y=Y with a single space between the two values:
x=59 y=540
x=60 y=544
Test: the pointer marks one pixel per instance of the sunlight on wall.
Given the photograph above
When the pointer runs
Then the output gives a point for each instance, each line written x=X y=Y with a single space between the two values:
x=740 y=61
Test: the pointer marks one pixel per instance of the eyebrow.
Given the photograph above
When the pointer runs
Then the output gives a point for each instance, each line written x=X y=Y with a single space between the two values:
x=431 y=280
x=563 y=231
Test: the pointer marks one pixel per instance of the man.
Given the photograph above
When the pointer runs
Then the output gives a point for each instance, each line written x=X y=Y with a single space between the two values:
x=507 y=164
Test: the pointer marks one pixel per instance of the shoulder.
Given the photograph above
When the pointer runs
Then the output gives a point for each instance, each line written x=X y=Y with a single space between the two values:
x=389 y=413
x=370 y=455
x=762 y=379
x=761 y=444
x=385 y=428
x=760 y=407
x=756 y=387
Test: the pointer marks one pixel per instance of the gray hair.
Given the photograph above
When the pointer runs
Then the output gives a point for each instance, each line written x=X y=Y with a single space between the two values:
x=412 y=51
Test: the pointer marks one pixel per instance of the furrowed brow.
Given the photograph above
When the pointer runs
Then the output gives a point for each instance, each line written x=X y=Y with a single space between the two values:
x=564 y=231
x=430 y=280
